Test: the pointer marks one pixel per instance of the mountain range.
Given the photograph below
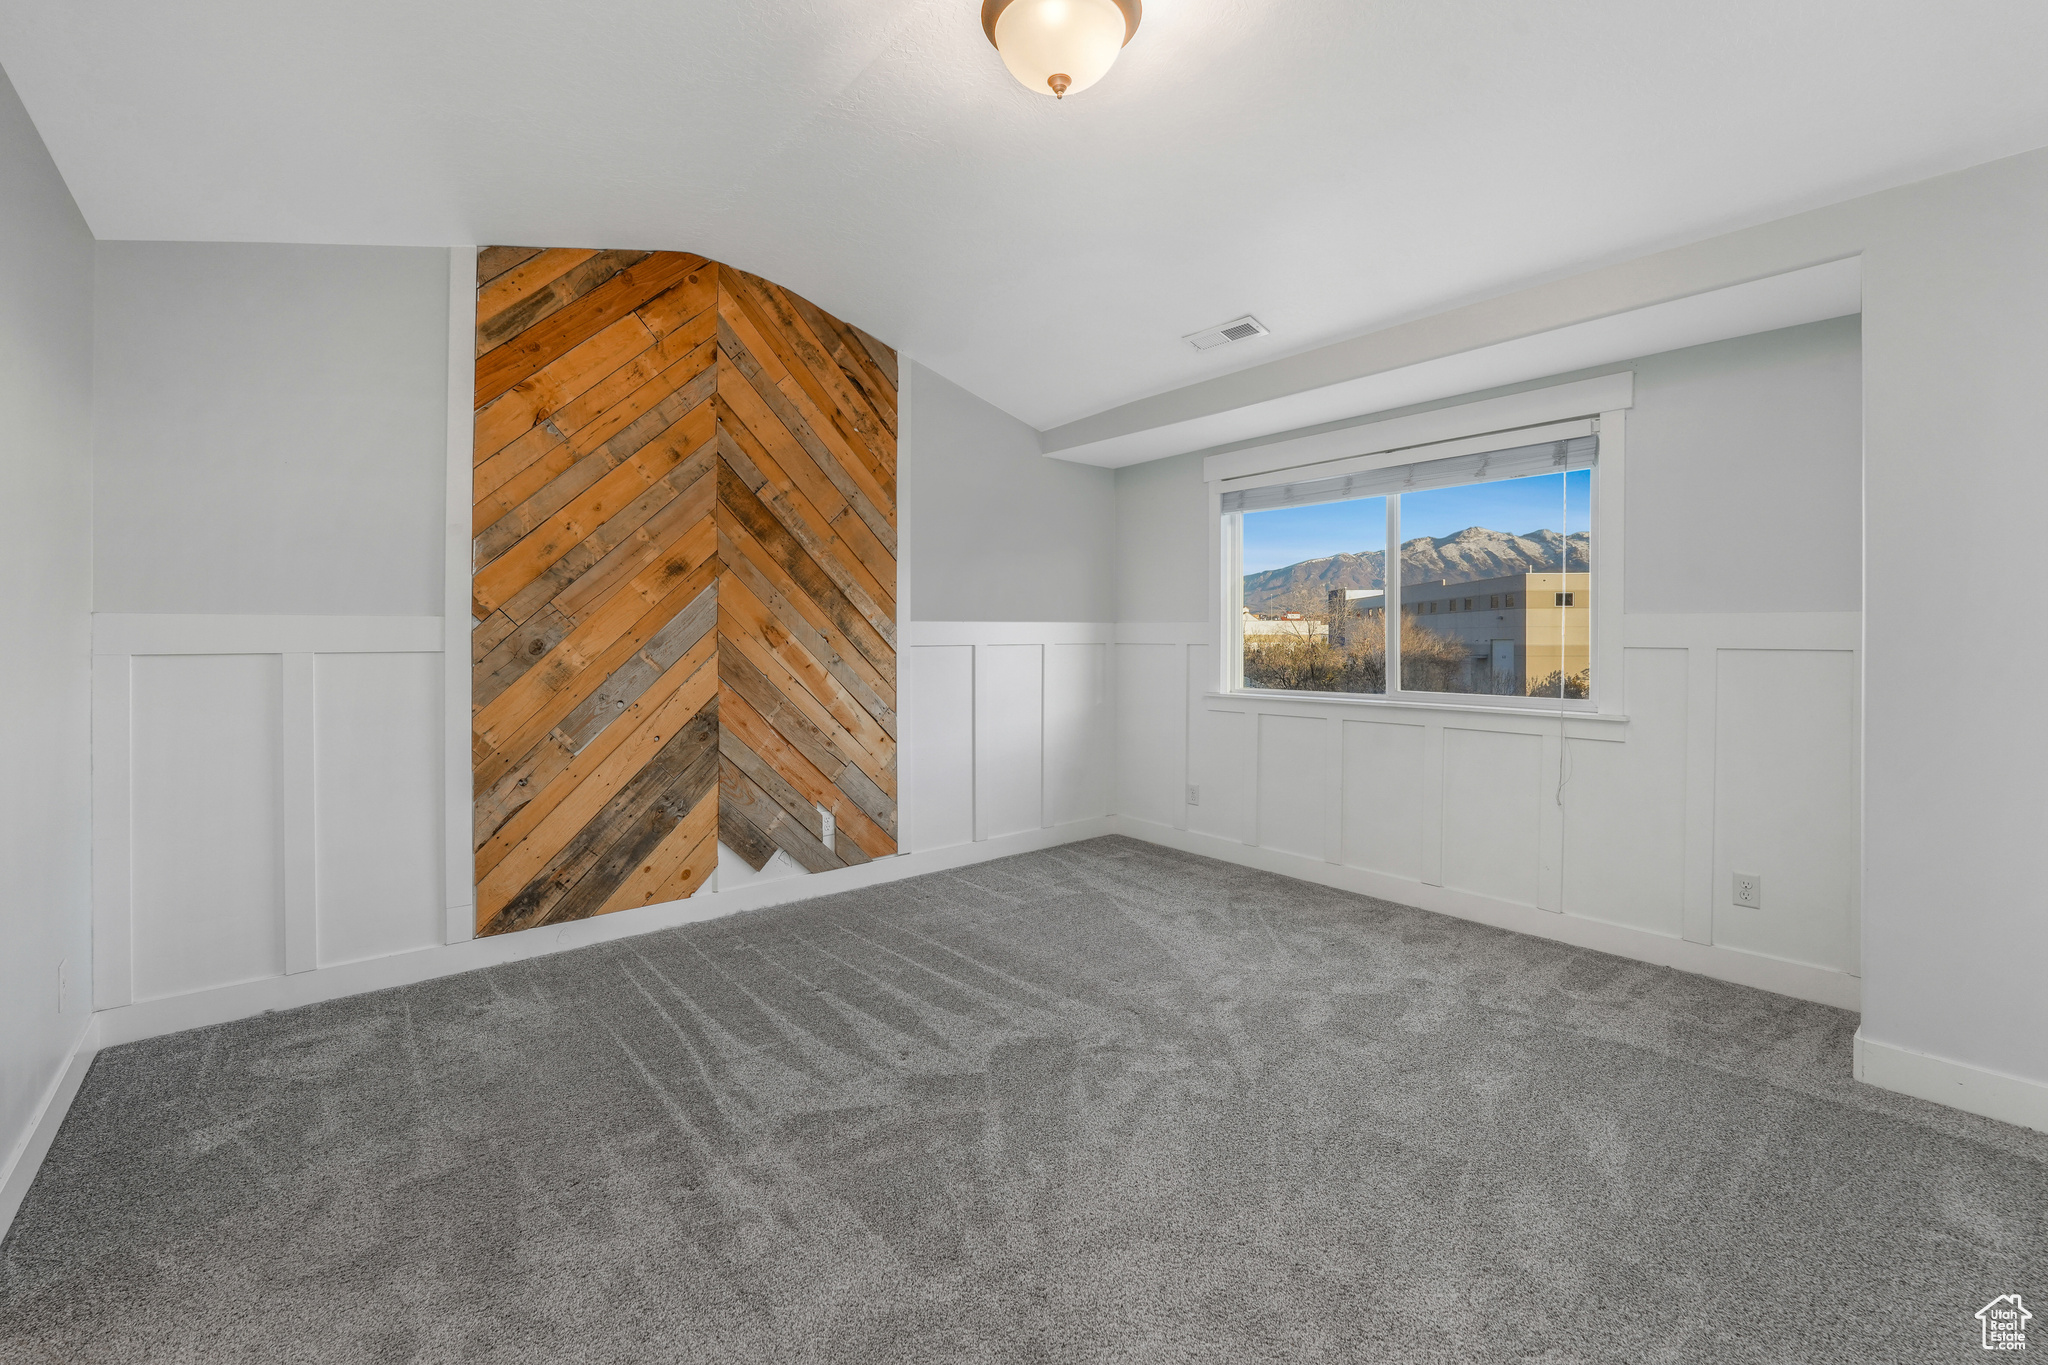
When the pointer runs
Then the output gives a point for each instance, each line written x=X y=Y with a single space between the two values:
x=1471 y=554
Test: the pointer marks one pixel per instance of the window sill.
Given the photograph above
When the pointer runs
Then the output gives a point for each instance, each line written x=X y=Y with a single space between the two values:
x=1403 y=704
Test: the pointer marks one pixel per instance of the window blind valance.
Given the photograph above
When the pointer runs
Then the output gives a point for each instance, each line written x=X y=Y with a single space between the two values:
x=1517 y=462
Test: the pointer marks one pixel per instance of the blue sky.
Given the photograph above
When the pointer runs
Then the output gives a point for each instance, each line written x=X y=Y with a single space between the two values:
x=1288 y=535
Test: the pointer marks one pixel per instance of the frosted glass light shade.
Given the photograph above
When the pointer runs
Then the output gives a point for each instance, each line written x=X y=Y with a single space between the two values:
x=1057 y=47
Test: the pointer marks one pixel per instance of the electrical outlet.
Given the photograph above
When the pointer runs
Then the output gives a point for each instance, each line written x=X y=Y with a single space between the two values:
x=1749 y=890
x=1194 y=794
x=828 y=825
x=63 y=985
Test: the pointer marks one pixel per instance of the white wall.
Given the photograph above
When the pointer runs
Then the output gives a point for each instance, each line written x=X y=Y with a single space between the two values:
x=1955 y=339
x=1746 y=472
x=1740 y=685
x=46 y=564
x=1737 y=754
x=1744 y=485
x=270 y=428
x=999 y=532
x=1162 y=541
x=1015 y=730
x=270 y=702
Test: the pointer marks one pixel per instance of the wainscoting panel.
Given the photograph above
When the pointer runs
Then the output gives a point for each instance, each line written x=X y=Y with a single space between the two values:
x=1294 y=754
x=1734 y=750
x=1151 y=680
x=1785 y=808
x=939 y=748
x=378 y=785
x=1222 y=762
x=1624 y=826
x=1078 y=765
x=1492 y=799
x=1382 y=786
x=1013 y=729
x=270 y=799
x=208 y=769
x=1009 y=739
x=268 y=796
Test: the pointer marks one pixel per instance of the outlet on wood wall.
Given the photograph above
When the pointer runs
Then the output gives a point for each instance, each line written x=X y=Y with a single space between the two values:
x=684 y=581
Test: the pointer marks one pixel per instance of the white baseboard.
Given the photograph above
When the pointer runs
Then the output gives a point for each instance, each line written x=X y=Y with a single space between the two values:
x=27 y=1157
x=151 y=1018
x=1723 y=964
x=1958 y=1085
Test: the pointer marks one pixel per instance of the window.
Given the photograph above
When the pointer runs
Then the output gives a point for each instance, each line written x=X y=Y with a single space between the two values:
x=1318 y=551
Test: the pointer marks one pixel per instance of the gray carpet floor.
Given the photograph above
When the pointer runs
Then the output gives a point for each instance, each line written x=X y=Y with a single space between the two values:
x=1107 y=1102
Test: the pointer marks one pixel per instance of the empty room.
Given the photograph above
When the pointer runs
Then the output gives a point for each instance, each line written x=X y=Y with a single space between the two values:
x=1022 y=681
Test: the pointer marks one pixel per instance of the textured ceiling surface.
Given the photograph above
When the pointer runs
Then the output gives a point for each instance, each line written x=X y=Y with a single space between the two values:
x=1330 y=165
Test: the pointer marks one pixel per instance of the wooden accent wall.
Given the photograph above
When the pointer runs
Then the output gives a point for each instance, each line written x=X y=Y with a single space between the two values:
x=684 y=583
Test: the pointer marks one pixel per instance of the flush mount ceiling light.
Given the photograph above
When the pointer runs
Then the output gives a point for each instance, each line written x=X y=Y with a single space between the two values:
x=1059 y=46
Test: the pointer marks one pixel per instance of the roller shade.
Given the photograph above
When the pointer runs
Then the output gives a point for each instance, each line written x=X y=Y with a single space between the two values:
x=1518 y=462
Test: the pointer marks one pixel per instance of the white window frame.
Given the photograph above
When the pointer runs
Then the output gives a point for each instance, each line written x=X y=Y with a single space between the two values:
x=1600 y=405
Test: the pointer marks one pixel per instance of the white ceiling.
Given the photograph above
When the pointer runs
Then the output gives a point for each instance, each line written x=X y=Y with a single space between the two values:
x=1332 y=166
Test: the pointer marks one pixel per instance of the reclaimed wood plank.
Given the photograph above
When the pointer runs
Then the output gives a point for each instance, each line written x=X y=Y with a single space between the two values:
x=638 y=837
x=493 y=261
x=678 y=867
x=534 y=347
x=486 y=634
x=769 y=480
x=750 y=618
x=856 y=364
x=694 y=487
x=582 y=514
x=683 y=502
x=863 y=448
x=555 y=772
x=573 y=669
x=824 y=478
x=828 y=395
x=683 y=302
x=739 y=797
x=686 y=759
x=526 y=278
x=778 y=789
x=754 y=730
x=747 y=512
x=884 y=357
x=598 y=414
x=514 y=655
x=831 y=554
x=558 y=296
x=494 y=470
x=818 y=642
x=843 y=350
x=555 y=385
x=742 y=835
x=625 y=685
x=792 y=711
x=810 y=421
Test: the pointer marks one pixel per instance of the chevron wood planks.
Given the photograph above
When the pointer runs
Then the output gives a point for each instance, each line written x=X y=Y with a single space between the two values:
x=683 y=585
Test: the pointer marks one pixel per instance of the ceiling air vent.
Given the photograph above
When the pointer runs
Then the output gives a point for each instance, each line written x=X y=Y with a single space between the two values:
x=1237 y=330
